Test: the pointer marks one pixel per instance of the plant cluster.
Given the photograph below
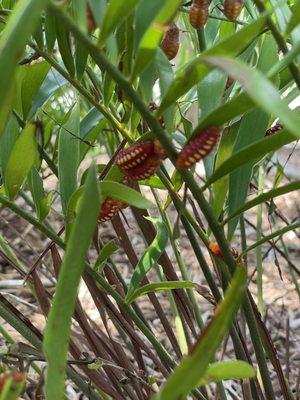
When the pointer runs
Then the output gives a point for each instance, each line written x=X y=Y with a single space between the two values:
x=167 y=114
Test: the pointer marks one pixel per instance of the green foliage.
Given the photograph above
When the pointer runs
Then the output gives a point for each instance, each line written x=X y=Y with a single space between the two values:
x=72 y=96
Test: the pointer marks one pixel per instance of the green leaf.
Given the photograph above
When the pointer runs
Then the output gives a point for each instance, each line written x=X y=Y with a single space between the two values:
x=166 y=76
x=295 y=18
x=153 y=36
x=157 y=287
x=45 y=206
x=5 y=109
x=220 y=187
x=144 y=16
x=252 y=152
x=58 y=328
x=107 y=250
x=21 y=24
x=21 y=160
x=68 y=157
x=271 y=194
x=41 y=201
x=227 y=370
x=189 y=372
x=116 y=12
x=7 y=142
x=50 y=30
x=81 y=58
x=150 y=257
x=195 y=71
x=32 y=77
x=98 y=7
x=260 y=90
x=124 y=193
x=65 y=49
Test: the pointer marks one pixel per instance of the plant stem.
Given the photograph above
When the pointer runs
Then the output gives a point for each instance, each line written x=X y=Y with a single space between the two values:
x=265 y=239
x=259 y=263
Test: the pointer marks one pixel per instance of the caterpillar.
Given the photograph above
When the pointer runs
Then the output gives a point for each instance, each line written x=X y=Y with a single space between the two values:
x=170 y=43
x=199 y=13
x=141 y=160
x=232 y=8
x=198 y=148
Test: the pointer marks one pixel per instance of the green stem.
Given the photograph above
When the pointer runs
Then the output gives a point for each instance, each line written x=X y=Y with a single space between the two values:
x=180 y=262
x=259 y=263
x=265 y=239
x=201 y=39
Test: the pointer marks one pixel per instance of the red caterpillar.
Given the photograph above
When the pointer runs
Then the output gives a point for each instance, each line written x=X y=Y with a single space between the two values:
x=198 y=148
x=232 y=8
x=110 y=208
x=91 y=23
x=277 y=127
x=215 y=249
x=199 y=13
x=141 y=160
x=170 y=43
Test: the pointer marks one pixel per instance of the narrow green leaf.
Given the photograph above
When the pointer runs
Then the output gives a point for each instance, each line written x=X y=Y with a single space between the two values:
x=189 y=372
x=227 y=370
x=81 y=58
x=5 y=109
x=50 y=30
x=195 y=71
x=21 y=160
x=21 y=24
x=252 y=152
x=124 y=193
x=68 y=157
x=295 y=18
x=58 y=328
x=7 y=142
x=107 y=250
x=150 y=257
x=153 y=36
x=35 y=184
x=98 y=7
x=271 y=194
x=116 y=12
x=65 y=49
x=220 y=187
x=32 y=76
x=145 y=13
x=45 y=206
x=157 y=287
x=260 y=90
